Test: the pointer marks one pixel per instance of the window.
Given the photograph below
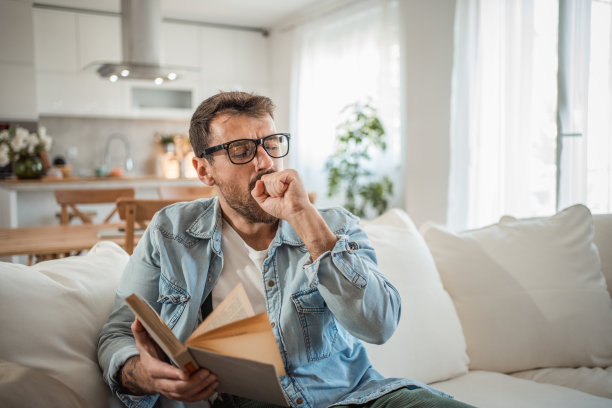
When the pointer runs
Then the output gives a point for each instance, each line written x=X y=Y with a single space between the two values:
x=586 y=140
x=342 y=58
x=525 y=141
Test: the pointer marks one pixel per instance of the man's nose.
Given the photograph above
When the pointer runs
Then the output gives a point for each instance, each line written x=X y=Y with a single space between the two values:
x=262 y=160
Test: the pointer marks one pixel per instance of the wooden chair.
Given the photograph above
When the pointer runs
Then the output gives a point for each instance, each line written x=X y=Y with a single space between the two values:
x=137 y=212
x=69 y=199
x=185 y=193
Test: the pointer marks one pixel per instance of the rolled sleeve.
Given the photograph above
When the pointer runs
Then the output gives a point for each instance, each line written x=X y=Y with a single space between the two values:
x=340 y=261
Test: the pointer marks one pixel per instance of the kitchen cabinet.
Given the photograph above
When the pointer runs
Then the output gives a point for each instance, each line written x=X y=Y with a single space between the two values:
x=17 y=73
x=99 y=39
x=67 y=46
x=180 y=45
x=70 y=46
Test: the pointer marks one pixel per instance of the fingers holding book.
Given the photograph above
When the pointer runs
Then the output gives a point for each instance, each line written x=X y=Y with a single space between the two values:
x=149 y=373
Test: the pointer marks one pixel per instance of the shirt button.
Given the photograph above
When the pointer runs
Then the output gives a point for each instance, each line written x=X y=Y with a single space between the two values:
x=299 y=401
x=270 y=283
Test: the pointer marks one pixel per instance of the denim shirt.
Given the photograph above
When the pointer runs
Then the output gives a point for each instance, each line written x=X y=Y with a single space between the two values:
x=319 y=309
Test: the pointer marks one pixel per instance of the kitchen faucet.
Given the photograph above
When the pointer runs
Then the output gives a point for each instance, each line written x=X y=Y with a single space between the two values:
x=129 y=163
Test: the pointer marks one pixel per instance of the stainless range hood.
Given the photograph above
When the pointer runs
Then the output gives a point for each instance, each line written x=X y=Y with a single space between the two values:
x=140 y=32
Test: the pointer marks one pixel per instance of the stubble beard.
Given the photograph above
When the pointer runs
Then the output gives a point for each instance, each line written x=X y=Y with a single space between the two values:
x=243 y=202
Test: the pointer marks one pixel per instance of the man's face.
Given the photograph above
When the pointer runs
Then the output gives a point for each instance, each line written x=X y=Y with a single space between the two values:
x=235 y=182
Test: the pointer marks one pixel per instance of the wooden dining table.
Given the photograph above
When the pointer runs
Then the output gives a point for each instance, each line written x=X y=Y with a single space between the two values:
x=54 y=239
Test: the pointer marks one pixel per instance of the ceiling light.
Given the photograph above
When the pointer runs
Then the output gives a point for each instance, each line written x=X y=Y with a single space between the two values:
x=125 y=72
x=172 y=76
x=159 y=81
x=113 y=78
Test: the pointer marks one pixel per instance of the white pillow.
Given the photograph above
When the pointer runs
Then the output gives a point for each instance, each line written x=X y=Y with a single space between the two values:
x=529 y=293
x=428 y=344
x=603 y=240
x=52 y=313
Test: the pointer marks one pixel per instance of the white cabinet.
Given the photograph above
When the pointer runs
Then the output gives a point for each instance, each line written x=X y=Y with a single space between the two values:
x=99 y=39
x=71 y=45
x=17 y=72
x=55 y=39
x=68 y=45
x=180 y=45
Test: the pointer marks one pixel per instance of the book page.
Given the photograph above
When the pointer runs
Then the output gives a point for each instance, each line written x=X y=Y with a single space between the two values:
x=235 y=306
x=250 y=338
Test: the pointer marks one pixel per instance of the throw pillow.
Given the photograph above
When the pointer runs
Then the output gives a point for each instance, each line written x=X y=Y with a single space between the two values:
x=428 y=344
x=53 y=312
x=603 y=240
x=529 y=293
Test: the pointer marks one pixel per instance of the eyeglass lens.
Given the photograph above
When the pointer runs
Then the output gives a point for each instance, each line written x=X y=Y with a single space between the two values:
x=242 y=151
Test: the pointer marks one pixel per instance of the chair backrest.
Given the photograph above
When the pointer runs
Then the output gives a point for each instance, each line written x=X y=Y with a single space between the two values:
x=137 y=211
x=71 y=198
x=185 y=193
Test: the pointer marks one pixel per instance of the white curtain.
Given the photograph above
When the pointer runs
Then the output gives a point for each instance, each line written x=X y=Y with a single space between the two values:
x=344 y=57
x=586 y=155
x=503 y=124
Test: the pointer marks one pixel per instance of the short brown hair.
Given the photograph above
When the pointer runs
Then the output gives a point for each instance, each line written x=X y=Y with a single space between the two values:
x=233 y=103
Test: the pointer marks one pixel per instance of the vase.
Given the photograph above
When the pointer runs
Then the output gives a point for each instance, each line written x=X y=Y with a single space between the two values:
x=28 y=167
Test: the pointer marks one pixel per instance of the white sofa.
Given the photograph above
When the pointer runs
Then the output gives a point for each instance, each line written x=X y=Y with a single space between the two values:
x=516 y=314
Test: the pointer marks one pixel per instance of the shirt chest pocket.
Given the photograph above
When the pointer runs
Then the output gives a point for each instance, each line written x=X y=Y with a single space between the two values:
x=173 y=300
x=317 y=322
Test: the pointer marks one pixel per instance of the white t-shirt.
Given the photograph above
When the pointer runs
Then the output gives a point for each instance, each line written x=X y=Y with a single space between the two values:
x=241 y=263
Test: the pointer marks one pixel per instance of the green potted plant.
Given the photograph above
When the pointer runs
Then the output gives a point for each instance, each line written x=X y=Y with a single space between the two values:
x=357 y=137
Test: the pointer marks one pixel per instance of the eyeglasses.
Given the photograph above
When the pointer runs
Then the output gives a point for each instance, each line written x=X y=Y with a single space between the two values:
x=242 y=151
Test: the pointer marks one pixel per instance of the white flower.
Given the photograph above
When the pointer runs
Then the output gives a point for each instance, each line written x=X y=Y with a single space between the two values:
x=22 y=133
x=4 y=135
x=32 y=143
x=46 y=142
x=42 y=132
x=4 y=155
x=19 y=141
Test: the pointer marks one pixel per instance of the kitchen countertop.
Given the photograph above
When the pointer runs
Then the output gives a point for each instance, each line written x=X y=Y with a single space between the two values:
x=46 y=184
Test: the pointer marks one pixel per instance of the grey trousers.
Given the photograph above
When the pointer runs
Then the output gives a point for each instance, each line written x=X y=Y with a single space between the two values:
x=402 y=398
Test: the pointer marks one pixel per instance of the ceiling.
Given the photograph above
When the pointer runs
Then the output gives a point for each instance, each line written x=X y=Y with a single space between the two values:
x=250 y=13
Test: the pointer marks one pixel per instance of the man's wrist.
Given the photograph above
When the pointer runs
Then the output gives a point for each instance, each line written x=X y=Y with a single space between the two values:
x=314 y=231
x=127 y=377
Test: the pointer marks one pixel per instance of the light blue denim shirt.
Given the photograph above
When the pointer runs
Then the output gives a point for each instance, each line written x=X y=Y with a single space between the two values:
x=319 y=309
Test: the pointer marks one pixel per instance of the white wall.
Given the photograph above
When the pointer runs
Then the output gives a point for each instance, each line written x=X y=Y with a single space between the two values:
x=426 y=43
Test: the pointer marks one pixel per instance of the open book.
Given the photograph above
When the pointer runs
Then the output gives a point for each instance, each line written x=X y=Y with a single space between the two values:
x=232 y=342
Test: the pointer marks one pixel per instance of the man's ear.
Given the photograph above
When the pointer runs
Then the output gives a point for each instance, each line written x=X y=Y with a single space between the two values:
x=204 y=170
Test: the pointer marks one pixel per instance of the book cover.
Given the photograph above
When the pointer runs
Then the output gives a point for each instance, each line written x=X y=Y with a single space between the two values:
x=232 y=342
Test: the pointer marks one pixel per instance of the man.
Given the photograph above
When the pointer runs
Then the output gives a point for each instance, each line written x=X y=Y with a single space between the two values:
x=313 y=272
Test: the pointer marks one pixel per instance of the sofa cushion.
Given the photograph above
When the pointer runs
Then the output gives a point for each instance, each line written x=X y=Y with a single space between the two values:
x=428 y=344
x=603 y=240
x=495 y=390
x=596 y=380
x=57 y=309
x=529 y=293
x=22 y=386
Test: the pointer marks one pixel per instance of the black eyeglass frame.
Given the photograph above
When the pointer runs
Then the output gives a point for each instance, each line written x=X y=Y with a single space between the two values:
x=225 y=146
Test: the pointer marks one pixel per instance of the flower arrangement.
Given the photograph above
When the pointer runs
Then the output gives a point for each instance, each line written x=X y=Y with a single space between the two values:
x=20 y=143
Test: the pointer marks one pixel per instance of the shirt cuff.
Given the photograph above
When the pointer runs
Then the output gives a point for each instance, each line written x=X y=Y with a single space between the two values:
x=342 y=257
x=117 y=362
